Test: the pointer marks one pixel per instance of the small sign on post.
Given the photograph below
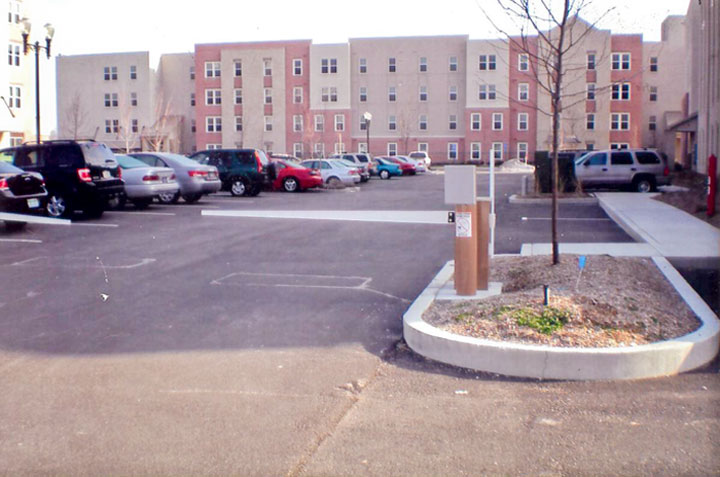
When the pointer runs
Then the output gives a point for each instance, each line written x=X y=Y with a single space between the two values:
x=460 y=190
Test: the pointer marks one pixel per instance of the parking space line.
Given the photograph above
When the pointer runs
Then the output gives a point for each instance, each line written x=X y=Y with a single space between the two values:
x=130 y=212
x=431 y=217
x=95 y=225
x=603 y=219
x=21 y=240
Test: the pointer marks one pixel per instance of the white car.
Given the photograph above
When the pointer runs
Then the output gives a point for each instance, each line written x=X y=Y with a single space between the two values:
x=421 y=155
x=418 y=163
x=333 y=171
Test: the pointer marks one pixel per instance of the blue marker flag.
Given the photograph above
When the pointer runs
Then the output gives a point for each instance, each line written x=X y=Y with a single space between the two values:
x=581 y=261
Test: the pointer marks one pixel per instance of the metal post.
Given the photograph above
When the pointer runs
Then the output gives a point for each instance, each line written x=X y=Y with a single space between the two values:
x=367 y=130
x=492 y=205
x=37 y=90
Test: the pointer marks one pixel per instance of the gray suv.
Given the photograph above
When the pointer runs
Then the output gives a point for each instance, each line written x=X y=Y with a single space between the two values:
x=361 y=159
x=641 y=169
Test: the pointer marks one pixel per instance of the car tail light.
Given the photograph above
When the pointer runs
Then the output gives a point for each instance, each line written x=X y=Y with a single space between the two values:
x=4 y=184
x=666 y=171
x=119 y=174
x=172 y=177
x=353 y=171
x=313 y=172
x=199 y=174
x=84 y=174
x=259 y=163
x=151 y=178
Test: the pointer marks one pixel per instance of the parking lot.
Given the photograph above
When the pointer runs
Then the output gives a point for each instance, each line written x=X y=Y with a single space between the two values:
x=167 y=342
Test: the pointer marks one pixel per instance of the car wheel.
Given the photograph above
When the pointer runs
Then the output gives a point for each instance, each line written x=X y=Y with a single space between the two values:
x=334 y=182
x=384 y=174
x=58 y=206
x=14 y=226
x=169 y=197
x=644 y=184
x=191 y=198
x=238 y=187
x=291 y=184
x=255 y=190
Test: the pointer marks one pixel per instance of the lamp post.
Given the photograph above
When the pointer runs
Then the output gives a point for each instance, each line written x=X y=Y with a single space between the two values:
x=37 y=47
x=368 y=117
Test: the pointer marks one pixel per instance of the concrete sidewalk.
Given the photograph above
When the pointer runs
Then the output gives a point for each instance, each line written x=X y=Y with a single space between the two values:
x=669 y=230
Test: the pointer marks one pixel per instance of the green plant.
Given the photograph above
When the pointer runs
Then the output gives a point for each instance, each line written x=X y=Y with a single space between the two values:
x=466 y=317
x=546 y=322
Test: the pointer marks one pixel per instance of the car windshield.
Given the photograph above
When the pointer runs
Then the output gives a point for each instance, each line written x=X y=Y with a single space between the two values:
x=416 y=155
x=580 y=159
x=127 y=162
x=6 y=168
x=98 y=154
x=346 y=163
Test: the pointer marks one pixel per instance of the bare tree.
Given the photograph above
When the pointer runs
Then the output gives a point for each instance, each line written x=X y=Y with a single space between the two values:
x=75 y=115
x=156 y=137
x=550 y=31
x=125 y=131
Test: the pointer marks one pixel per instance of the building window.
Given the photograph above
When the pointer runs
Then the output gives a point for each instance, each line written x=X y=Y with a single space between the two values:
x=620 y=121
x=423 y=64
x=133 y=99
x=423 y=93
x=487 y=92
x=363 y=94
x=392 y=95
x=268 y=123
x=192 y=99
x=391 y=65
x=238 y=123
x=362 y=66
x=297 y=67
x=497 y=121
x=319 y=122
x=620 y=61
x=213 y=124
x=392 y=124
x=652 y=124
x=653 y=93
x=319 y=149
x=392 y=149
x=212 y=96
x=110 y=73
x=496 y=153
x=111 y=100
x=522 y=150
x=591 y=91
x=523 y=62
x=423 y=146
x=267 y=67
x=14 y=54
x=192 y=72
x=452 y=122
x=14 y=98
x=590 y=146
x=452 y=151
x=590 y=121
x=475 y=151
x=621 y=91
x=267 y=94
x=14 y=12
x=339 y=122
x=619 y=145
x=212 y=69
x=453 y=93
x=134 y=125
x=591 y=61
x=328 y=65
x=329 y=94
x=453 y=63
x=423 y=122
x=487 y=62
x=133 y=72
x=363 y=124
x=112 y=126
x=237 y=67
x=297 y=95
x=297 y=123
x=523 y=92
x=238 y=95
x=193 y=126
x=653 y=64
x=325 y=95
x=298 y=149
x=523 y=121
x=210 y=147
x=475 y=121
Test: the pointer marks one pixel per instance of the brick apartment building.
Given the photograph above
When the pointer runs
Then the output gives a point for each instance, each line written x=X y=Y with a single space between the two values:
x=456 y=97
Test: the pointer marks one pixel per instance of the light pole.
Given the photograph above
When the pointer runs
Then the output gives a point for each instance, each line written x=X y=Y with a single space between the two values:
x=368 y=117
x=49 y=32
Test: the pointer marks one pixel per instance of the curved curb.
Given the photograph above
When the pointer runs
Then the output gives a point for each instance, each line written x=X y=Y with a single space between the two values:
x=545 y=362
x=518 y=199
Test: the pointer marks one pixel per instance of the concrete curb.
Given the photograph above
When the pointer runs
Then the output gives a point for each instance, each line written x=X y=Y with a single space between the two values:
x=546 y=362
x=517 y=199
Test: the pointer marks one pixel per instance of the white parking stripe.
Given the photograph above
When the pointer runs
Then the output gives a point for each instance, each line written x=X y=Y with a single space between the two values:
x=137 y=213
x=95 y=225
x=568 y=218
x=21 y=240
x=433 y=217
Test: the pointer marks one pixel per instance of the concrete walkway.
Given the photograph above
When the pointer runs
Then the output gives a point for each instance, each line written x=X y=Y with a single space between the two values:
x=669 y=230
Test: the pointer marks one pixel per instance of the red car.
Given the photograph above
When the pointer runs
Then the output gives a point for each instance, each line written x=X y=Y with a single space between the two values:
x=292 y=177
x=405 y=167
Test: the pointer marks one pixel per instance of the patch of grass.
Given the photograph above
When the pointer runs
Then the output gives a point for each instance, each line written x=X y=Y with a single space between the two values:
x=546 y=322
x=501 y=311
x=463 y=317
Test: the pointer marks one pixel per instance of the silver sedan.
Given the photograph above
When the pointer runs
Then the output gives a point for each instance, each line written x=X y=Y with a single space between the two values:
x=195 y=179
x=143 y=183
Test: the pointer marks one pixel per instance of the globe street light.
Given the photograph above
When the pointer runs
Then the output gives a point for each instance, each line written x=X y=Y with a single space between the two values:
x=367 y=117
x=49 y=33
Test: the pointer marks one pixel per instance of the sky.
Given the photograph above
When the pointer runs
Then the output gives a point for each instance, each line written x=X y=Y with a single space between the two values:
x=173 y=26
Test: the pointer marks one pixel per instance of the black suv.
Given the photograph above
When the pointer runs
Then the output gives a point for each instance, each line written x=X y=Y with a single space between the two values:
x=242 y=171
x=79 y=175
